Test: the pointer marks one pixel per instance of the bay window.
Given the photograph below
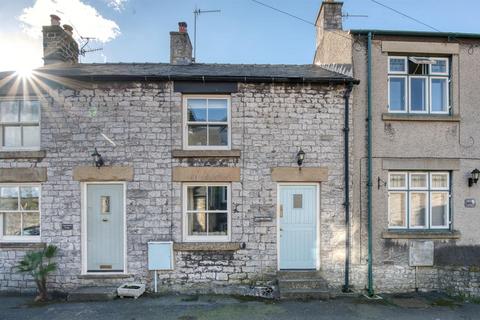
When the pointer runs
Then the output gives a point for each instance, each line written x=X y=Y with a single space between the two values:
x=419 y=200
x=418 y=85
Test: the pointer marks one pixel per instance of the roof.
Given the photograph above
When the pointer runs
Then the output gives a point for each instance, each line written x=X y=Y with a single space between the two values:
x=196 y=72
x=417 y=33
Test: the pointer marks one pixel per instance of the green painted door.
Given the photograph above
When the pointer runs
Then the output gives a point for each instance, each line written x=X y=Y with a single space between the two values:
x=298 y=227
x=105 y=228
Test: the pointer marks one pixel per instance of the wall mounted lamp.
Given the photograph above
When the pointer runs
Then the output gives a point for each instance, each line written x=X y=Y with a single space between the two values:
x=97 y=159
x=473 y=177
x=300 y=157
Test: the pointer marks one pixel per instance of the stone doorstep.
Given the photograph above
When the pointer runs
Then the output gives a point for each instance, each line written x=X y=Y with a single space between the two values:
x=92 y=294
x=303 y=285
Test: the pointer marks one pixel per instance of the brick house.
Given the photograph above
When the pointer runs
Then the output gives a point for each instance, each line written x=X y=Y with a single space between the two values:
x=204 y=159
x=418 y=92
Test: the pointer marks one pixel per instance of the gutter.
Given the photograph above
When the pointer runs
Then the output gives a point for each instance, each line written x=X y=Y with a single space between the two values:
x=369 y=163
x=346 y=130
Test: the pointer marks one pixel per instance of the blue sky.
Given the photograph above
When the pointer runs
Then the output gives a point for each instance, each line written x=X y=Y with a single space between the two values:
x=244 y=32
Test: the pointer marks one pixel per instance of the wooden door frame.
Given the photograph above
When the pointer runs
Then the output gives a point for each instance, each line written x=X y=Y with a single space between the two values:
x=84 y=256
x=317 y=212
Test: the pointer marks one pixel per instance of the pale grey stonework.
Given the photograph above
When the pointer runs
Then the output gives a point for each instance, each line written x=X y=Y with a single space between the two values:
x=270 y=122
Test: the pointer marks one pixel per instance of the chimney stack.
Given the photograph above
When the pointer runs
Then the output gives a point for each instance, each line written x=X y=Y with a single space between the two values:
x=58 y=43
x=330 y=16
x=180 y=46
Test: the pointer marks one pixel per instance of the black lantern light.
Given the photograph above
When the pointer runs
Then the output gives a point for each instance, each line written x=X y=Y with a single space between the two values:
x=473 y=177
x=300 y=157
x=97 y=159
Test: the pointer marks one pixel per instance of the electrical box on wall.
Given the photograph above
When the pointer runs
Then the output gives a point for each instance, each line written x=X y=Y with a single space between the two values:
x=160 y=255
x=421 y=253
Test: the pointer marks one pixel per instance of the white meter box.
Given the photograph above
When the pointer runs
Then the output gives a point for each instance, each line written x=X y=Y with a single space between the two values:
x=160 y=255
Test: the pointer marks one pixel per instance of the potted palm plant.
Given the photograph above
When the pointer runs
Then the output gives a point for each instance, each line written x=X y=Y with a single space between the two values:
x=39 y=265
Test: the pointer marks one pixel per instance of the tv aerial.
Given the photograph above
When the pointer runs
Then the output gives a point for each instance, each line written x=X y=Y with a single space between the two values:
x=84 y=49
x=196 y=13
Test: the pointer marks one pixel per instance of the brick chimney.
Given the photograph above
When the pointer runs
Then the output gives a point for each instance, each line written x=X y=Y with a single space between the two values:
x=58 y=43
x=334 y=45
x=180 y=46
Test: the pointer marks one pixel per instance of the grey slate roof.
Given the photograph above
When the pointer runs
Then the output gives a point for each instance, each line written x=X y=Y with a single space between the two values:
x=198 y=71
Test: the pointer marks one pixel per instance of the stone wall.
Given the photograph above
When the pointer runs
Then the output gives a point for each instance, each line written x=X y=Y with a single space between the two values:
x=270 y=122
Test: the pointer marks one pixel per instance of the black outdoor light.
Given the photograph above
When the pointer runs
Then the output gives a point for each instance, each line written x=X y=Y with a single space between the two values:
x=300 y=157
x=97 y=159
x=473 y=177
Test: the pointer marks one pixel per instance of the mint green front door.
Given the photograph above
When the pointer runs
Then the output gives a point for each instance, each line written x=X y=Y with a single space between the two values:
x=105 y=228
x=298 y=227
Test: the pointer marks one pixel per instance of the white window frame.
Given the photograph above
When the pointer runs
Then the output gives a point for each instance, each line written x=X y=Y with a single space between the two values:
x=406 y=106
x=21 y=124
x=213 y=238
x=428 y=190
x=447 y=94
x=427 y=94
x=405 y=60
x=26 y=239
x=405 y=213
x=446 y=73
x=186 y=146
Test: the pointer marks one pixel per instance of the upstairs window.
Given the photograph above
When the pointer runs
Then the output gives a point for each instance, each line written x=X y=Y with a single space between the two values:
x=419 y=200
x=19 y=124
x=206 y=122
x=418 y=85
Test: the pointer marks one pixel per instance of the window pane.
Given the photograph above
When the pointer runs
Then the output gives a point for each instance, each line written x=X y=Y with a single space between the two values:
x=197 y=224
x=12 y=224
x=217 y=115
x=12 y=136
x=418 y=97
x=197 y=103
x=218 y=103
x=418 y=180
x=8 y=198
x=29 y=198
x=31 y=136
x=197 y=135
x=218 y=135
x=440 y=66
x=397 y=94
x=440 y=180
x=31 y=224
x=418 y=209
x=397 y=180
x=397 y=206
x=397 y=64
x=30 y=111
x=9 y=111
x=197 y=114
x=439 y=95
x=217 y=223
x=197 y=198
x=217 y=198
x=439 y=209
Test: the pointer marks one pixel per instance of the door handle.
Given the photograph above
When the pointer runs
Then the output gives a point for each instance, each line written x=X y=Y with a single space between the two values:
x=281 y=210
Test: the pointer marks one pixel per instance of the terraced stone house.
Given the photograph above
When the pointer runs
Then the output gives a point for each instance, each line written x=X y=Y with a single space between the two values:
x=181 y=175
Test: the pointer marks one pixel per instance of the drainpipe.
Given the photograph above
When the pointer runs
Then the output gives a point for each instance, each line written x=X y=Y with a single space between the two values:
x=346 y=130
x=369 y=163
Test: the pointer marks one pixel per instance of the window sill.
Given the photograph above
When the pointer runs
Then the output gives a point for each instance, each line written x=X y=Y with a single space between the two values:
x=22 y=154
x=207 y=246
x=433 y=234
x=420 y=117
x=21 y=245
x=206 y=154
x=105 y=276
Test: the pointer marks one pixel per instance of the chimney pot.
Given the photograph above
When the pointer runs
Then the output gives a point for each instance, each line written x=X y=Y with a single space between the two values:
x=54 y=20
x=68 y=29
x=182 y=27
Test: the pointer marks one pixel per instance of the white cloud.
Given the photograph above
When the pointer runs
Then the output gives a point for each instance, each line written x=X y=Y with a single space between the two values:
x=117 y=5
x=85 y=19
x=19 y=52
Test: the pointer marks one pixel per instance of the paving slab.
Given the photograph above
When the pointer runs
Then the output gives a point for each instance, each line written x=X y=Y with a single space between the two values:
x=92 y=294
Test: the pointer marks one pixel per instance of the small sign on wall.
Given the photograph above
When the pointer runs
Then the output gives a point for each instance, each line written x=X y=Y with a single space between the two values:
x=67 y=226
x=421 y=253
x=470 y=203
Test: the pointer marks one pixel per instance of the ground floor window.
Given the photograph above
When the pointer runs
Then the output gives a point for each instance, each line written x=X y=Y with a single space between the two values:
x=20 y=212
x=419 y=200
x=206 y=212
